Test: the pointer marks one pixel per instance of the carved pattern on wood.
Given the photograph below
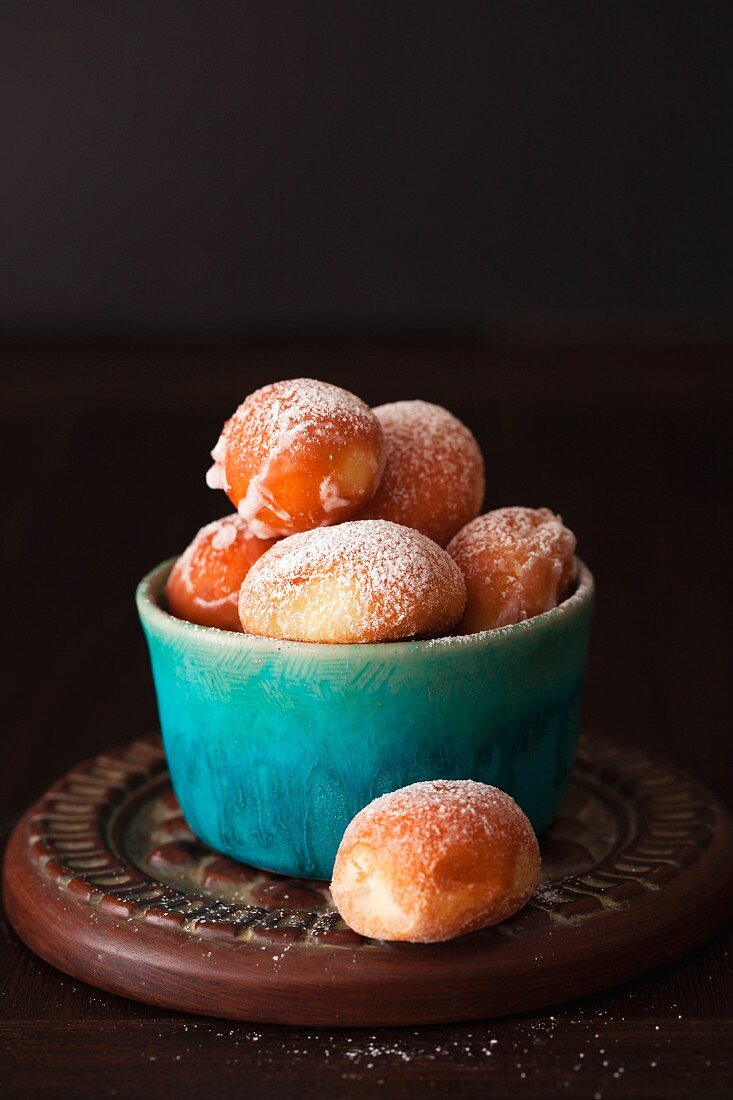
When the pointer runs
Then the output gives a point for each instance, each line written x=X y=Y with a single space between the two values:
x=110 y=833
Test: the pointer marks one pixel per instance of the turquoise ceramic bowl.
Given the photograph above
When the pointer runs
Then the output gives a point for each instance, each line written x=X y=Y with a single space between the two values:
x=274 y=746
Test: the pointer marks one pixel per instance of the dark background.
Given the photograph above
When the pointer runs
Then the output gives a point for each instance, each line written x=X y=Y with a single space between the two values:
x=519 y=210
x=216 y=167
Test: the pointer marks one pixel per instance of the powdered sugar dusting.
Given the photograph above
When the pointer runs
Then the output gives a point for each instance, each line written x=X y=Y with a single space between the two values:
x=282 y=411
x=216 y=477
x=367 y=580
x=330 y=496
x=291 y=421
x=439 y=857
x=204 y=583
x=254 y=500
x=517 y=535
x=518 y=562
x=224 y=535
x=432 y=816
x=218 y=534
x=434 y=471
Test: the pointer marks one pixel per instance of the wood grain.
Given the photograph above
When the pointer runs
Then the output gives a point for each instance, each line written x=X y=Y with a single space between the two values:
x=528 y=1057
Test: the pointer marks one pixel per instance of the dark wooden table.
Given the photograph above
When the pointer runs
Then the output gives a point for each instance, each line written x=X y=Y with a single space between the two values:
x=104 y=454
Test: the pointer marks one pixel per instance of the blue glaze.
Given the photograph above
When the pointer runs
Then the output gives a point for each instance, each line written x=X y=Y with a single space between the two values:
x=274 y=746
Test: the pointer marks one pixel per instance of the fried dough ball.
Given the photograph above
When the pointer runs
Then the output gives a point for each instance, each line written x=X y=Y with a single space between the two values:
x=203 y=586
x=297 y=455
x=434 y=473
x=517 y=563
x=435 y=860
x=364 y=581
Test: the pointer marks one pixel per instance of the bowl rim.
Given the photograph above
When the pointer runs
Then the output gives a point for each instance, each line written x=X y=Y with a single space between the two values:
x=150 y=589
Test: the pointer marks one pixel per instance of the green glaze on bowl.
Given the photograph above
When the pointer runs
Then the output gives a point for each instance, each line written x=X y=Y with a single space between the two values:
x=274 y=746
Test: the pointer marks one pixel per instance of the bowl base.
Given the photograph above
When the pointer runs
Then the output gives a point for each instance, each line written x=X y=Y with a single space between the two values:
x=104 y=879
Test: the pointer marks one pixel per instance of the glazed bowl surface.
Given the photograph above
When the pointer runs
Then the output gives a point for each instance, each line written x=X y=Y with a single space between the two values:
x=274 y=746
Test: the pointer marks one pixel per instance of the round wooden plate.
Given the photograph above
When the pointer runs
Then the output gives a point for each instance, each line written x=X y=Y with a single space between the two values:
x=104 y=879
